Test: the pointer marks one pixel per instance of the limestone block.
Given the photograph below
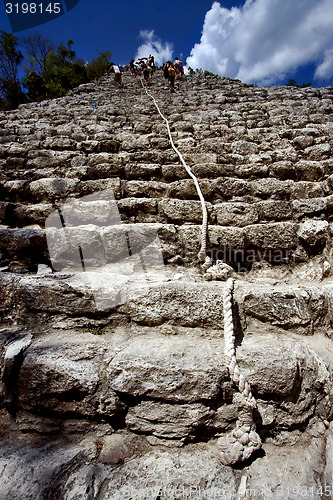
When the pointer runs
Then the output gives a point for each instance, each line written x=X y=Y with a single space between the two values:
x=13 y=358
x=122 y=240
x=117 y=447
x=85 y=88
x=254 y=169
x=274 y=210
x=313 y=232
x=73 y=247
x=14 y=190
x=275 y=235
x=168 y=420
x=135 y=142
x=288 y=309
x=148 y=189
x=244 y=147
x=182 y=369
x=16 y=149
x=24 y=215
x=288 y=153
x=183 y=189
x=54 y=296
x=51 y=461
x=25 y=245
x=142 y=171
x=85 y=188
x=235 y=214
x=78 y=161
x=309 y=170
x=188 y=304
x=303 y=141
x=88 y=146
x=318 y=152
x=306 y=189
x=49 y=159
x=231 y=188
x=283 y=170
x=313 y=206
x=60 y=143
x=178 y=211
x=171 y=473
x=3 y=209
x=275 y=188
x=51 y=188
x=212 y=170
x=15 y=163
x=63 y=377
x=293 y=470
x=96 y=159
x=139 y=210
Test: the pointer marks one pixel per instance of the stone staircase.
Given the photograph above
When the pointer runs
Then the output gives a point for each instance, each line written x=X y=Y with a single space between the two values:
x=119 y=371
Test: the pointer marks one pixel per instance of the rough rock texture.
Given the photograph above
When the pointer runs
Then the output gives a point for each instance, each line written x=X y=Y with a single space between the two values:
x=114 y=383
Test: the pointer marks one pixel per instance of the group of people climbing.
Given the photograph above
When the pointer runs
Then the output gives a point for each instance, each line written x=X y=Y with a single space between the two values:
x=145 y=67
x=172 y=71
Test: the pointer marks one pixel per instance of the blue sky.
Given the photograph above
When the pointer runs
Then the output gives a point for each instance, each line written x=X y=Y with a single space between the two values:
x=263 y=42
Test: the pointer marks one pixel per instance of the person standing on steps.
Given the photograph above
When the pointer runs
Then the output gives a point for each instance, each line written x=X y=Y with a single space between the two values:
x=133 y=68
x=151 y=64
x=171 y=77
x=165 y=69
x=145 y=72
x=117 y=75
x=179 y=68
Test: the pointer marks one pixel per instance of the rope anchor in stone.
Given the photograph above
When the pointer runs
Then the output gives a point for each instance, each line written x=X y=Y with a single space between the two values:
x=243 y=440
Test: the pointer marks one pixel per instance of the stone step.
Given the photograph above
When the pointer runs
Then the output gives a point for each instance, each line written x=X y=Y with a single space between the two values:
x=177 y=211
x=215 y=190
x=80 y=240
x=154 y=296
x=165 y=364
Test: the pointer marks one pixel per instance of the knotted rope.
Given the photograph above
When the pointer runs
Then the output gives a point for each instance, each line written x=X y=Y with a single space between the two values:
x=202 y=251
x=243 y=440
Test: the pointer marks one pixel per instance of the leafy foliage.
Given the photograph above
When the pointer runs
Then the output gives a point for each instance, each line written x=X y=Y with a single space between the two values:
x=292 y=83
x=11 y=94
x=50 y=71
x=200 y=72
x=98 y=66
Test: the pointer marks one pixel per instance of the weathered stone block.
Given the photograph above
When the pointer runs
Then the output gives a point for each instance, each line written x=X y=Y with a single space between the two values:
x=179 y=369
x=52 y=188
x=168 y=421
x=235 y=214
x=313 y=232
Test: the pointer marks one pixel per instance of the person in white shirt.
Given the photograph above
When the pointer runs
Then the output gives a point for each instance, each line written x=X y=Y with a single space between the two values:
x=117 y=74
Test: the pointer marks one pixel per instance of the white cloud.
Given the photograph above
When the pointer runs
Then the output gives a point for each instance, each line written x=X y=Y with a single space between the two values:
x=153 y=45
x=266 y=39
x=325 y=69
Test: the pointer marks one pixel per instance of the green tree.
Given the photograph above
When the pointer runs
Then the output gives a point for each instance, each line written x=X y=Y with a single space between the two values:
x=99 y=66
x=37 y=49
x=11 y=93
x=53 y=73
x=292 y=83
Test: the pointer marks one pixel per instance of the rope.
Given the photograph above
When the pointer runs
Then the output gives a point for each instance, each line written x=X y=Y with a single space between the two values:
x=243 y=440
x=202 y=251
